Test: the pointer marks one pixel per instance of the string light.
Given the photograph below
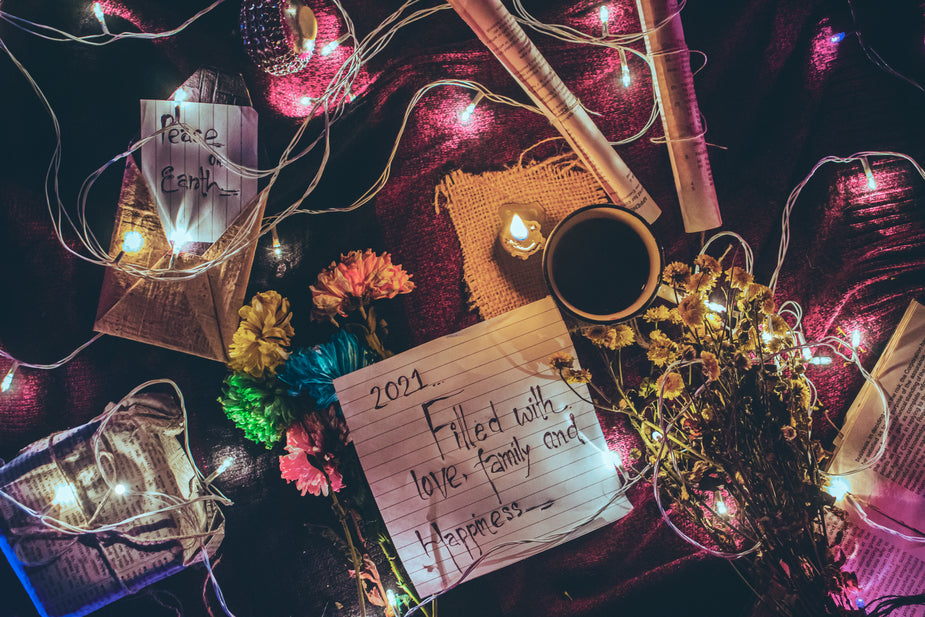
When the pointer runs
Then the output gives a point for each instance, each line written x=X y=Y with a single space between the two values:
x=837 y=38
x=838 y=487
x=132 y=242
x=180 y=95
x=100 y=15
x=716 y=307
x=328 y=49
x=466 y=115
x=604 y=15
x=624 y=68
x=871 y=183
x=119 y=489
x=7 y=382
x=277 y=247
x=64 y=496
x=225 y=466
x=855 y=338
x=306 y=101
x=392 y=600
x=721 y=508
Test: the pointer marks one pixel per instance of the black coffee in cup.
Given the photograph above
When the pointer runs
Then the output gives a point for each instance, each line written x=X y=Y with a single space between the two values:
x=602 y=264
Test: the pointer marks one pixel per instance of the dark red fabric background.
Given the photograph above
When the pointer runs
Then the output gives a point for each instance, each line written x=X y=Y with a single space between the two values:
x=777 y=94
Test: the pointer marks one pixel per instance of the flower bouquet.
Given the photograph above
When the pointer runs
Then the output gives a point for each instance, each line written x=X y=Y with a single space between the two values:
x=275 y=392
x=725 y=423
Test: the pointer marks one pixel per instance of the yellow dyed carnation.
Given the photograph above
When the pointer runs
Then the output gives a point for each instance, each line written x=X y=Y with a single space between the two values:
x=261 y=342
x=657 y=313
x=692 y=310
x=671 y=385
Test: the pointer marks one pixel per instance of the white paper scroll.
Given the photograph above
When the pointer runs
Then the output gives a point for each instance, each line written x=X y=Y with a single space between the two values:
x=197 y=196
x=471 y=441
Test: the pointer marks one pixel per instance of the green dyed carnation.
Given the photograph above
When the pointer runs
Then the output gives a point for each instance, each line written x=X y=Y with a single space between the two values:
x=257 y=407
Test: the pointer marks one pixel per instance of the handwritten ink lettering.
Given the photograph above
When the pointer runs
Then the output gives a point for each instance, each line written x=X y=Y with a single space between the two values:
x=555 y=439
x=425 y=407
x=202 y=184
x=393 y=389
x=467 y=536
x=537 y=407
x=444 y=480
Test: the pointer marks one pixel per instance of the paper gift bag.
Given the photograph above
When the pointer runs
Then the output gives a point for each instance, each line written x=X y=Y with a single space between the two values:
x=196 y=316
x=76 y=520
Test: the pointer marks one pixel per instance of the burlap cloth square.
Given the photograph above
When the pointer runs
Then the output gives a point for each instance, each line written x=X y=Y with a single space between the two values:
x=498 y=282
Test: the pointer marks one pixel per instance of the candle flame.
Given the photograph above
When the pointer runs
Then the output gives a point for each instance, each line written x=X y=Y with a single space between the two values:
x=519 y=230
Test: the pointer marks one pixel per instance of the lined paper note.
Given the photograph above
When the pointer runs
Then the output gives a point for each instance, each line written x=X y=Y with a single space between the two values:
x=197 y=196
x=471 y=441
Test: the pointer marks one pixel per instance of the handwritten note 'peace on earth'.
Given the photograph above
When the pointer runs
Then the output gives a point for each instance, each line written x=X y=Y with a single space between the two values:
x=471 y=441
x=197 y=196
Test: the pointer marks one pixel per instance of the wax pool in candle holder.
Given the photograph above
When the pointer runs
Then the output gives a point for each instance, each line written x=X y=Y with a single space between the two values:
x=521 y=229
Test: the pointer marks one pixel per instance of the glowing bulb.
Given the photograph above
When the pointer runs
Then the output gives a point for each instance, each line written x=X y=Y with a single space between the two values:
x=837 y=38
x=132 y=241
x=604 y=14
x=466 y=115
x=519 y=231
x=611 y=459
x=305 y=101
x=330 y=47
x=308 y=46
x=625 y=71
x=98 y=12
x=859 y=602
x=721 y=508
x=657 y=436
x=716 y=307
x=807 y=354
x=871 y=183
x=64 y=496
x=119 y=489
x=821 y=361
x=838 y=487
x=8 y=379
x=180 y=95
x=291 y=11
x=391 y=599
x=855 y=338
x=178 y=238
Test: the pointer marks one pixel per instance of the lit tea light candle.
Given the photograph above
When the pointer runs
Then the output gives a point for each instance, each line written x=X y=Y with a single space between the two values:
x=521 y=232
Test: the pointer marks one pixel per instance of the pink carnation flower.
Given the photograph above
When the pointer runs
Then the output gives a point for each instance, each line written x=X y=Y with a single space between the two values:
x=361 y=277
x=297 y=467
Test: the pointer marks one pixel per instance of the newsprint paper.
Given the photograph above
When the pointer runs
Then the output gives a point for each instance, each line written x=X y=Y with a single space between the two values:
x=892 y=493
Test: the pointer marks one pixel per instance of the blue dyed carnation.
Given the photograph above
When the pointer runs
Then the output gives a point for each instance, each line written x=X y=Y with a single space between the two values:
x=313 y=370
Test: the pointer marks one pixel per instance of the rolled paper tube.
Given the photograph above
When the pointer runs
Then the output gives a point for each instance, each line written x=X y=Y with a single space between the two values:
x=500 y=32
x=674 y=87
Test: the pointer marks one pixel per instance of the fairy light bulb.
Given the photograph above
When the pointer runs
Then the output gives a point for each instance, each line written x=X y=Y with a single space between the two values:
x=119 y=489
x=837 y=38
x=328 y=49
x=99 y=14
x=133 y=241
x=611 y=459
x=604 y=14
x=838 y=487
x=869 y=174
x=180 y=95
x=391 y=599
x=178 y=238
x=7 y=382
x=716 y=307
x=64 y=496
x=721 y=508
x=855 y=338
x=821 y=361
x=657 y=436
x=225 y=466
x=466 y=114
x=519 y=231
x=625 y=72
x=305 y=101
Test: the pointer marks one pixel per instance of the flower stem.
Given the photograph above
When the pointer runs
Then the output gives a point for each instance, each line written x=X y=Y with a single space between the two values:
x=399 y=577
x=354 y=554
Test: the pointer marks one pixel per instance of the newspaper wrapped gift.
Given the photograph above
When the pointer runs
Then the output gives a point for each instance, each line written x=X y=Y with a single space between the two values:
x=107 y=478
